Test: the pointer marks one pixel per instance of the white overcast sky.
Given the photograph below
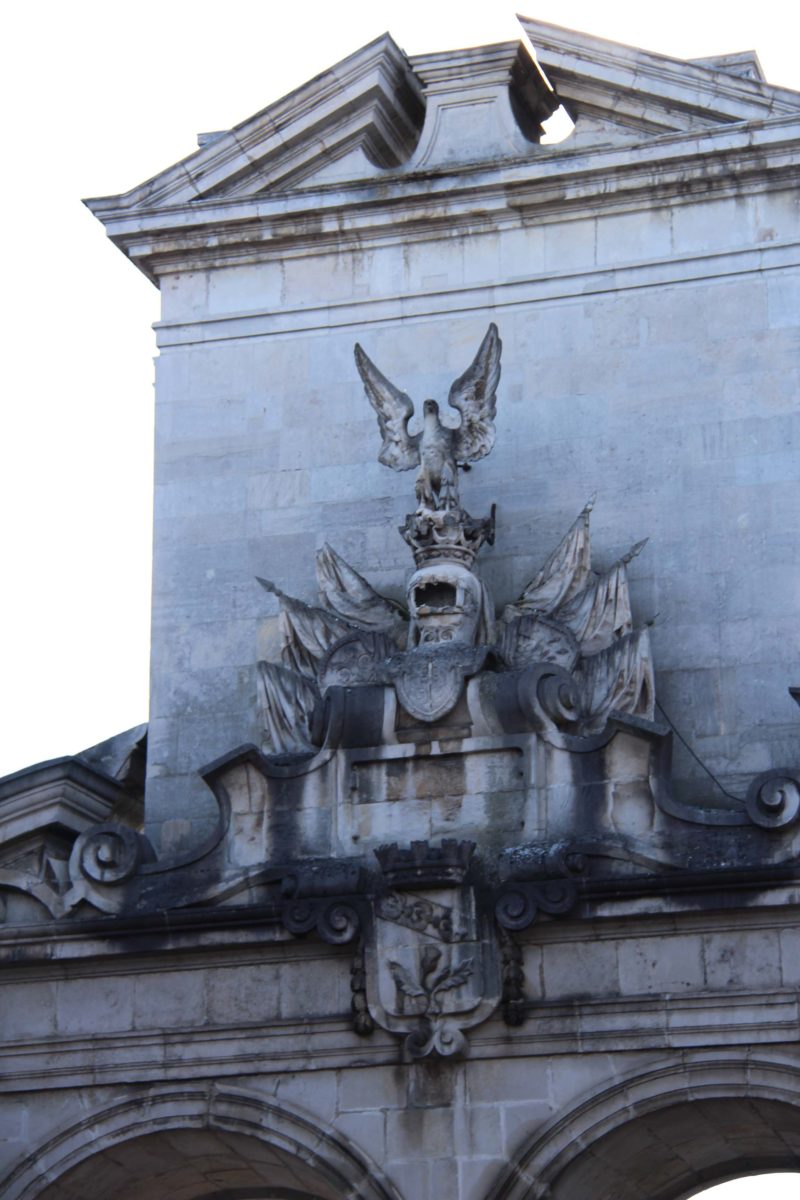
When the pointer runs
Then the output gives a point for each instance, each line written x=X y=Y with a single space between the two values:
x=98 y=97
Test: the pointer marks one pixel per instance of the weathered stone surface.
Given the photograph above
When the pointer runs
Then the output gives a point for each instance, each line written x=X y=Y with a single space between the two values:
x=411 y=825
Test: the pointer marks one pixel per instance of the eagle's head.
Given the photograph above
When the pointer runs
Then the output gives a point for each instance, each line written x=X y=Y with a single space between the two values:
x=430 y=408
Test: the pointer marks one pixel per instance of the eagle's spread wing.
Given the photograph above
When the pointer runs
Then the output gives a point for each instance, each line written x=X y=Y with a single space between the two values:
x=394 y=408
x=474 y=395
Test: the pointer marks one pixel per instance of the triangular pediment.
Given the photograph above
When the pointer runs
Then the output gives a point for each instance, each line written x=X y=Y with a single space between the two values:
x=618 y=93
x=416 y=125
x=363 y=113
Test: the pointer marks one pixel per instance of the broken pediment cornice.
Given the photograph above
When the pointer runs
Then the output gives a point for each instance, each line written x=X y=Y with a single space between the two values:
x=381 y=148
x=371 y=110
x=46 y=807
x=371 y=101
x=362 y=118
x=43 y=810
x=745 y=64
x=662 y=93
x=63 y=793
x=483 y=104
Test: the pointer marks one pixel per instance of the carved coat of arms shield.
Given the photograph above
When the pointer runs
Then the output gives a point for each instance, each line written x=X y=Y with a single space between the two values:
x=430 y=679
x=432 y=968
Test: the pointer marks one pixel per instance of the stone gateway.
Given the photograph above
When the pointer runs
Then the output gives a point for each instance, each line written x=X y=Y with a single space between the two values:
x=459 y=857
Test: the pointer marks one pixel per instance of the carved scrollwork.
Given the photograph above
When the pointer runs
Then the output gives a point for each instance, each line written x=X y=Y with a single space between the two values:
x=435 y=1036
x=537 y=697
x=560 y=698
x=556 y=896
x=300 y=916
x=336 y=921
x=108 y=854
x=773 y=799
x=516 y=908
x=518 y=904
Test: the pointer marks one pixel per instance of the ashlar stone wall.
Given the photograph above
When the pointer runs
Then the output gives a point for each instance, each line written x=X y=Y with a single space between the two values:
x=649 y=356
x=231 y=1018
x=647 y=1013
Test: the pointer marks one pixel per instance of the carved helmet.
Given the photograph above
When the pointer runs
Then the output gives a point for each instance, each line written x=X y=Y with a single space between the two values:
x=447 y=603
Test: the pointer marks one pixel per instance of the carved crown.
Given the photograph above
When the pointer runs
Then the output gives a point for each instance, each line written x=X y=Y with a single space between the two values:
x=435 y=534
x=424 y=865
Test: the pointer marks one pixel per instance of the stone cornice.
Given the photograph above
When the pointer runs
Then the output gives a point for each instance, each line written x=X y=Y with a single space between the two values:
x=64 y=793
x=209 y=937
x=531 y=288
x=579 y=63
x=371 y=99
x=381 y=148
x=731 y=159
x=713 y=1019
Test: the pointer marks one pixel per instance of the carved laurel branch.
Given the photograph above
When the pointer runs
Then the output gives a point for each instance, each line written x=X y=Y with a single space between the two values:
x=429 y=986
x=435 y=1032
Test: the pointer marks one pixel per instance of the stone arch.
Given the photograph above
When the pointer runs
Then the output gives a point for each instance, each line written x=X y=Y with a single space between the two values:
x=664 y=1134
x=260 y=1148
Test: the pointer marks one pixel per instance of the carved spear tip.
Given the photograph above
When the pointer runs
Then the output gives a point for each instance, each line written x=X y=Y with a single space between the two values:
x=634 y=550
x=270 y=586
x=589 y=505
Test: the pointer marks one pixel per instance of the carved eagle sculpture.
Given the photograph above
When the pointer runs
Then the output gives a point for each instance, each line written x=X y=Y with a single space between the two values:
x=438 y=450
